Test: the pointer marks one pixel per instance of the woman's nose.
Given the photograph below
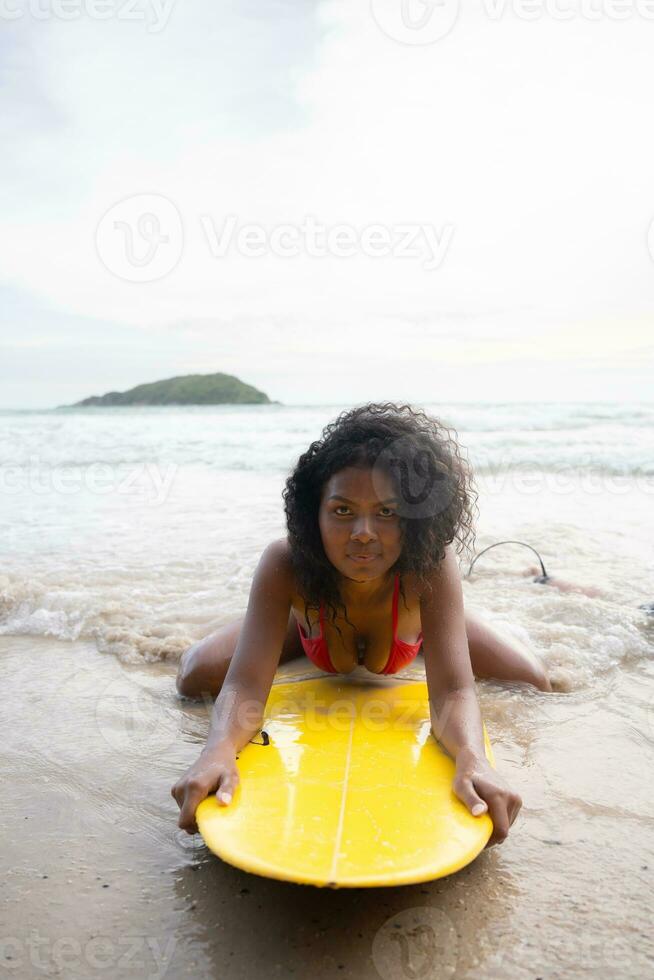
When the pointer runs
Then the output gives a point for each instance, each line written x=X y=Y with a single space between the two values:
x=363 y=530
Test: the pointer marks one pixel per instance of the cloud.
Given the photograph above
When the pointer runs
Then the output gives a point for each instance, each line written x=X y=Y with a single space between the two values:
x=527 y=139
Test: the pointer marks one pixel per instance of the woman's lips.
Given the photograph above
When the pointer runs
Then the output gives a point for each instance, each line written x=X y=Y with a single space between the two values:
x=362 y=559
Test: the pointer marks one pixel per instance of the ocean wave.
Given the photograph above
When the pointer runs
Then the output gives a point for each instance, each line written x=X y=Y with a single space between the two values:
x=639 y=471
x=577 y=638
x=607 y=439
x=109 y=613
x=15 y=475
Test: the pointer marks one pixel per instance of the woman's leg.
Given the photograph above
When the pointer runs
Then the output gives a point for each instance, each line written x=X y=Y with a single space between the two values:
x=202 y=668
x=494 y=657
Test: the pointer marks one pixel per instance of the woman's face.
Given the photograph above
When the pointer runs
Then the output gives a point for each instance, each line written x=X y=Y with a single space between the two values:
x=358 y=518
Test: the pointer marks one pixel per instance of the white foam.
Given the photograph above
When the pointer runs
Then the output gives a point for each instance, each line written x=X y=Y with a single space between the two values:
x=144 y=578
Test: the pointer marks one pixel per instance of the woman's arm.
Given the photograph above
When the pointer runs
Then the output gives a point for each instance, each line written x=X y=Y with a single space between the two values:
x=238 y=710
x=454 y=709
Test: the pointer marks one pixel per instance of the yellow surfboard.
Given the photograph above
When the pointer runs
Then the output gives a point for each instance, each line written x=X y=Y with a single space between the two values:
x=345 y=787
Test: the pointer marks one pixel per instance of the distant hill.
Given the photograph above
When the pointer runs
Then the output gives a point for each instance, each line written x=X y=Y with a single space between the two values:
x=188 y=389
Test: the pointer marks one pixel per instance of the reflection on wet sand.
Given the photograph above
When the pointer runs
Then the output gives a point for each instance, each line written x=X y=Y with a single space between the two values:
x=89 y=805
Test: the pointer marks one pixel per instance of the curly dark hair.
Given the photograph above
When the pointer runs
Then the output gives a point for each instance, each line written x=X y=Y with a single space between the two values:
x=417 y=452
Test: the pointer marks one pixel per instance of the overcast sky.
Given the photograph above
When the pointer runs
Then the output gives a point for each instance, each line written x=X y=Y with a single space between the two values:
x=328 y=201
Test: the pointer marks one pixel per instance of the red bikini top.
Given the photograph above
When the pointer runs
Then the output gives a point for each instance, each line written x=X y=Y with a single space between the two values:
x=401 y=653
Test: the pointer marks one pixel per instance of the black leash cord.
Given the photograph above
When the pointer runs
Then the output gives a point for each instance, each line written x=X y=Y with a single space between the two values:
x=647 y=607
x=265 y=738
x=541 y=578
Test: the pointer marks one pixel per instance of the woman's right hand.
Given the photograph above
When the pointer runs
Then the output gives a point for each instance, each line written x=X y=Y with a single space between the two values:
x=215 y=770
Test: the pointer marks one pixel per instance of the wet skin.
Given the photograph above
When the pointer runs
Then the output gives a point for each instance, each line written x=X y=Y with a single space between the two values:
x=357 y=516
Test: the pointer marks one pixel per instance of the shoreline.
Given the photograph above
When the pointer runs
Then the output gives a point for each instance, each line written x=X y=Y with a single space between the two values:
x=94 y=851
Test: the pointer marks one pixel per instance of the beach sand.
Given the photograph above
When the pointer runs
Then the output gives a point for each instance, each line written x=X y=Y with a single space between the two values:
x=100 y=591
x=99 y=881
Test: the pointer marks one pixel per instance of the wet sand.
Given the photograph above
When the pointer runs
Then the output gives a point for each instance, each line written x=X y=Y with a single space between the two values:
x=99 y=881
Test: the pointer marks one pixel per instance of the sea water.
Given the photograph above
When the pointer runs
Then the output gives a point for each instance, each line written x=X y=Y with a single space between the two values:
x=128 y=533
x=139 y=528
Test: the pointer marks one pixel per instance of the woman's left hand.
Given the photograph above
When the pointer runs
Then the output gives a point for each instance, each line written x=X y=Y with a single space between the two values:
x=482 y=789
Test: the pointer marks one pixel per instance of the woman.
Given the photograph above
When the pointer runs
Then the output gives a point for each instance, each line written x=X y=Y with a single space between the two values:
x=372 y=509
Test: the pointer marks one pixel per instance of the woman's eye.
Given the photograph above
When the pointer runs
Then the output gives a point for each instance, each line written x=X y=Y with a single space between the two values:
x=341 y=507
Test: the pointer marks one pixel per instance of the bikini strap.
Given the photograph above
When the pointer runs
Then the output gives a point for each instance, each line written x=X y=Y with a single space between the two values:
x=396 y=589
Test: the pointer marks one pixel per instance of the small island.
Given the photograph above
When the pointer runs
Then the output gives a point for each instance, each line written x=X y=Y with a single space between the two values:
x=188 y=389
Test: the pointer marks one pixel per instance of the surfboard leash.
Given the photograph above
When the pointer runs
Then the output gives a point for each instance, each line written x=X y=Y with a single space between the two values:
x=647 y=607
x=264 y=736
x=541 y=579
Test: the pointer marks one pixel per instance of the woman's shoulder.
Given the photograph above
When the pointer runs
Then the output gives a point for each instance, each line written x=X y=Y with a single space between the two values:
x=279 y=547
x=278 y=555
x=276 y=559
x=411 y=585
x=416 y=586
